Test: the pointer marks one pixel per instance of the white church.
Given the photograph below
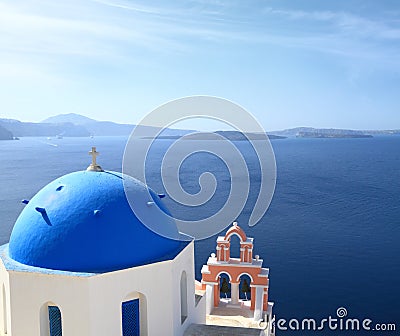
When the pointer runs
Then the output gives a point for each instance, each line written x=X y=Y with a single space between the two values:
x=80 y=263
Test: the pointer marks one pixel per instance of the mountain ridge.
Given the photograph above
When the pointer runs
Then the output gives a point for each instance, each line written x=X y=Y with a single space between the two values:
x=74 y=118
x=5 y=134
x=73 y=124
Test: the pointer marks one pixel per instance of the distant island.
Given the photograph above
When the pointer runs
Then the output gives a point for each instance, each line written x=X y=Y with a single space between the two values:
x=229 y=135
x=321 y=135
x=76 y=125
x=310 y=132
x=91 y=126
x=26 y=129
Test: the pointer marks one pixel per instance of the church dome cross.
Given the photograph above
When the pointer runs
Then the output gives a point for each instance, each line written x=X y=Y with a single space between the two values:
x=94 y=166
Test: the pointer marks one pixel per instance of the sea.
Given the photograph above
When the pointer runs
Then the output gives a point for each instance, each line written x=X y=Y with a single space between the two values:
x=331 y=236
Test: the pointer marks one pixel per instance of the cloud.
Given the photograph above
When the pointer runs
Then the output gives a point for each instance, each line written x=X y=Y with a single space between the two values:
x=130 y=6
x=40 y=33
x=354 y=25
x=90 y=31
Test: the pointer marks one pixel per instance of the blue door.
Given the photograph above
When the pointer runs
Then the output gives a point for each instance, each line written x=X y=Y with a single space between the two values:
x=55 y=321
x=130 y=318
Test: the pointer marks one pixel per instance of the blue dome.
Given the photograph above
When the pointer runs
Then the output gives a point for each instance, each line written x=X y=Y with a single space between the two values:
x=82 y=222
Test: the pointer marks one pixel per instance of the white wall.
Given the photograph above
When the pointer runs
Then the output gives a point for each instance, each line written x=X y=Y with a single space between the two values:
x=185 y=262
x=92 y=305
x=30 y=294
x=4 y=301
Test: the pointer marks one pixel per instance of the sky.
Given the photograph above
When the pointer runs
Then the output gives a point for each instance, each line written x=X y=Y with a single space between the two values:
x=290 y=63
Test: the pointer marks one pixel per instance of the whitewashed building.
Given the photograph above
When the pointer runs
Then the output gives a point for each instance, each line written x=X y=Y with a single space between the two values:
x=79 y=262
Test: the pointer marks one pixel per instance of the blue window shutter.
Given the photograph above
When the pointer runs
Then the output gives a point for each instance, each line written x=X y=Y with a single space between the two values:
x=130 y=318
x=55 y=321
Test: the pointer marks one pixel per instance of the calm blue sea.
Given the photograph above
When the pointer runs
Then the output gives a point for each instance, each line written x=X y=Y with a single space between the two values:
x=331 y=236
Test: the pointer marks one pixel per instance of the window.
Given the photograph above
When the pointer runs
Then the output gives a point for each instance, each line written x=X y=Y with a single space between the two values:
x=184 y=305
x=130 y=318
x=55 y=322
x=235 y=246
x=4 y=307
